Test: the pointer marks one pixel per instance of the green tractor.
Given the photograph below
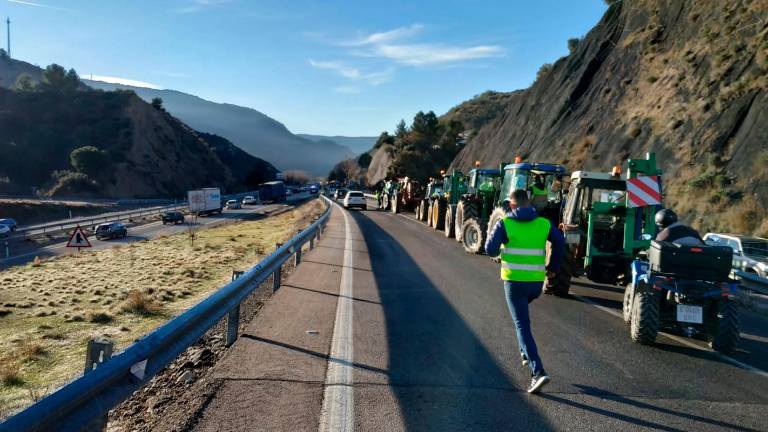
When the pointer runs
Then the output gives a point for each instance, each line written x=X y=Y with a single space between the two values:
x=483 y=186
x=443 y=207
x=543 y=181
x=433 y=190
x=603 y=231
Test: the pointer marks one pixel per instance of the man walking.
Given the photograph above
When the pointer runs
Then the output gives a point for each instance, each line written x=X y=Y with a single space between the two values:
x=521 y=238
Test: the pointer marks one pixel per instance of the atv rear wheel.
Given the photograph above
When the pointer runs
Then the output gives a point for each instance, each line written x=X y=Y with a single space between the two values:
x=725 y=337
x=626 y=310
x=450 y=223
x=473 y=236
x=645 y=320
x=560 y=283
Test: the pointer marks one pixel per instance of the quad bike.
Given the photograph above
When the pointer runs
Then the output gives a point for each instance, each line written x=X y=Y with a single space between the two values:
x=685 y=290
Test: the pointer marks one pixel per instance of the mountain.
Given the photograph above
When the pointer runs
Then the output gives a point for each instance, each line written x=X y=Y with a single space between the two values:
x=248 y=171
x=684 y=79
x=249 y=129
x=358 y=145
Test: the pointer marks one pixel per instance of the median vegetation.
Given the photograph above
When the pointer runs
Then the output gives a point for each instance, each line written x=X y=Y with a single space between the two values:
x=49 y=310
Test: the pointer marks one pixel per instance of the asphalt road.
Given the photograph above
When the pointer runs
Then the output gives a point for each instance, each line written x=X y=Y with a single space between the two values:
x=393 y=327
x=146 y=231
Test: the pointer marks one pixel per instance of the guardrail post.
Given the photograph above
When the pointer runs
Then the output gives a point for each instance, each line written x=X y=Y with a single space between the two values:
x=312 y=242
x=233 y=322
x=99 y=350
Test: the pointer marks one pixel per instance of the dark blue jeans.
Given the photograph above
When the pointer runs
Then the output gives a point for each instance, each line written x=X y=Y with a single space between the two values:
x=519 y=294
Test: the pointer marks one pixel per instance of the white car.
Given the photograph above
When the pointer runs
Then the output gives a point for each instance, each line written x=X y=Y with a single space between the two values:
x=750 y=254
x=249 y=200
x=5 y=231
x=234 y=205
x=355 y=199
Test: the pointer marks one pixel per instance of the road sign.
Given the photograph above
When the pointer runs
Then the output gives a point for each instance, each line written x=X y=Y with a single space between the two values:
x=78 y=239
x=643 y=191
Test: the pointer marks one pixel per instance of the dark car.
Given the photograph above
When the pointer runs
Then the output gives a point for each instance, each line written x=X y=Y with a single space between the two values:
x=173 y=217
x=110 y=231
x=10 y=223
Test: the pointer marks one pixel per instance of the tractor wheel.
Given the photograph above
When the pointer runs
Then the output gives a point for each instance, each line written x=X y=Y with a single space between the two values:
x=725 y=337
x=439 y=214
x=473 y=236
x=430 y=210
x=464 y=211
x=450 y=223
x=626 y=310
x=422 y=210
x=560 y=283
x=496 y=215
x=395 y=205
x=385 y=201
x=644 y=325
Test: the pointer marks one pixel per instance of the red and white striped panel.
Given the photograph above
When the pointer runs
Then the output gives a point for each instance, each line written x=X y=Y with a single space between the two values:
x=643 y=191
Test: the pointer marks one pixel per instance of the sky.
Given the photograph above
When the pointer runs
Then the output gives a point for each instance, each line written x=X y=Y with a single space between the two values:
x=327 y=67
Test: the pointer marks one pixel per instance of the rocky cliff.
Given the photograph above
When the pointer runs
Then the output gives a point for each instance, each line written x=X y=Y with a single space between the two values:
x=684 y=79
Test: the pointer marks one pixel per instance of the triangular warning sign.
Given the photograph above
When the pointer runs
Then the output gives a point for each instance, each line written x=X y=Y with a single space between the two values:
x=78 y=239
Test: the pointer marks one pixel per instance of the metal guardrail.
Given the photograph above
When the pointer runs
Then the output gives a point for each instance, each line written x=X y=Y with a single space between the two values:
x=61 y=226
x=83 y=403
x=753 y=282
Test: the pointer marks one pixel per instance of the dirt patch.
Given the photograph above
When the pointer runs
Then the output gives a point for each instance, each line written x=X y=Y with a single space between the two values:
x=60 y=303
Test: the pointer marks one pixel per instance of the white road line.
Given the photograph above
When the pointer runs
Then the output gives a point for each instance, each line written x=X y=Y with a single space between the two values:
x=338 y=399
x=683 y=341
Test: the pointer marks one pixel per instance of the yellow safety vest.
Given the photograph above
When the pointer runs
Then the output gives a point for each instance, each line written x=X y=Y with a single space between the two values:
x=538 y=191
x=523 y=257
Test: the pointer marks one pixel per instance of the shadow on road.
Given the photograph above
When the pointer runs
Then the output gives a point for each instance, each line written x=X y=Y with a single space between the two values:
x=592 y=391
x=440 y=373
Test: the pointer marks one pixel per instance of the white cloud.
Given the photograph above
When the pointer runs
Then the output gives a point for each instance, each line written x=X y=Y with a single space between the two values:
x=199 y=5
x=434 y=54
x=353 y=73
x=123 y=81
x=387 y=36
x=35 y=4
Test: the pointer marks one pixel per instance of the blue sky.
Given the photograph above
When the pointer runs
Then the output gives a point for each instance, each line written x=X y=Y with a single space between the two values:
x=328 y=67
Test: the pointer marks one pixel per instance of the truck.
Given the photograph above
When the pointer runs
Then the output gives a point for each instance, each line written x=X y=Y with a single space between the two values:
x=273 y=191
x=204 y=202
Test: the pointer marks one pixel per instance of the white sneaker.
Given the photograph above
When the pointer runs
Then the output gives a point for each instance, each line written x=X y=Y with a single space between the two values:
x=538 y=382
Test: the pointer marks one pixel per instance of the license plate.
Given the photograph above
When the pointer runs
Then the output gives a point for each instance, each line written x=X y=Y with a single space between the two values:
x=690 y=314
x=572 y=238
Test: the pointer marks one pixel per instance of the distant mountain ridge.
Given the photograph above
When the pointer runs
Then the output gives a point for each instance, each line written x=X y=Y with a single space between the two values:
x=249 y=129
x=358 y=144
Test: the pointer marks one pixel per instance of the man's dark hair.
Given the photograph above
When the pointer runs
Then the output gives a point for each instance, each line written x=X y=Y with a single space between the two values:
x=519 y=198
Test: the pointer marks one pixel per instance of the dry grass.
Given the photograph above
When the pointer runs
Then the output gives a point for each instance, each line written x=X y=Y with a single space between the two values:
x=54 y=307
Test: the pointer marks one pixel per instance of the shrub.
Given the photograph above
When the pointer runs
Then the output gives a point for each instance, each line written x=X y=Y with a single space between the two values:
x=573 y=44
x=10 y=374
x=100 y=318
x=72 y=183
x=31 y=351
x=140 y=303
x=544 y=70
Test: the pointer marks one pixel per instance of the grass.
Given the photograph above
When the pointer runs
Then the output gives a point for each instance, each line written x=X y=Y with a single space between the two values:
x=54 y=307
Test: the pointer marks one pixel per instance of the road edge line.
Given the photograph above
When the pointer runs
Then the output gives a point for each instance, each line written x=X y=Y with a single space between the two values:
x=337 y=413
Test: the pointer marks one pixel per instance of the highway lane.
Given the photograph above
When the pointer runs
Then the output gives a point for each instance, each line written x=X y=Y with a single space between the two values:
x=453 y=359
x=145 y=232
x=433 y=348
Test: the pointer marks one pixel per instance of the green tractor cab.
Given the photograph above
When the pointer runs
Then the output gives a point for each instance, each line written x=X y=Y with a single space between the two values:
x=445 y=198
x=603 y=231
x=433 y=190
x=543 y=181
x=474 y=207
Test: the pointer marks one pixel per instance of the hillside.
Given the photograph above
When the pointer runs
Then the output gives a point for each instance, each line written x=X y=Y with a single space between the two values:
x=248 y=171
x=358 y=145
x=684 y=79
x=249 y=129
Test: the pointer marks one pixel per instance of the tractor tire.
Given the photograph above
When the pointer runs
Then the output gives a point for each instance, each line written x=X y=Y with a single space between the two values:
x=644 y=325
x=473 y=236
x=430 y=210
x=725 y=337
x=439 y=209
x=464 y=211
x=560 y=284
x=385 y=202
x=450 y=221
x=626 y=309
x=496 y=215
x=422 y=210
x=395 y=204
